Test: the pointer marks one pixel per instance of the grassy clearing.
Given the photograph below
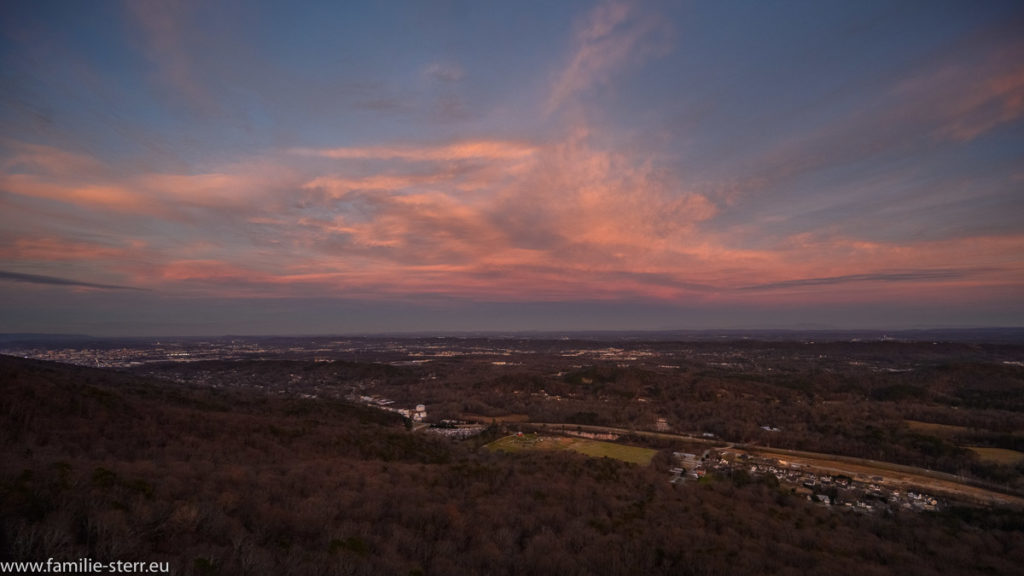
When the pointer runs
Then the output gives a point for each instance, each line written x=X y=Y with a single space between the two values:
x=523 y=443
x=593 y=448
x=944 y=431
x=998 y=455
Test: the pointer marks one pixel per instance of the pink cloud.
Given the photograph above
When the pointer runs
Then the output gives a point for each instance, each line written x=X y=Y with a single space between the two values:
x=340 y=186
x=465 y=150
x=103 y=196
x=56 y=249
x=566 y=220
x=179 y=270
x=83 y=181
x=24 y=157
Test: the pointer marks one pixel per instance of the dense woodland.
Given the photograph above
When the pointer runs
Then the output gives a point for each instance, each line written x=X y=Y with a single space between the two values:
x=115 y=466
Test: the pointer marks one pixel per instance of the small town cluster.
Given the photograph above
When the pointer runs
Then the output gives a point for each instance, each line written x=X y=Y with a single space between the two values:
x=451 y=429
x=416 y=414
x=862 y=493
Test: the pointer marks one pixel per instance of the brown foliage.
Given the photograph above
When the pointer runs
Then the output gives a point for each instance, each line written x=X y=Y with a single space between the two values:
x=108 y=466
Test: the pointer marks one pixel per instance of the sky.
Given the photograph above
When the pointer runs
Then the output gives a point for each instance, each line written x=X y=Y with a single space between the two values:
x=246 y=167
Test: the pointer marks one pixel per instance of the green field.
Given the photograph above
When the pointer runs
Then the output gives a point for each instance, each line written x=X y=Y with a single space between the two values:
x=594 y=448
x=998 y=455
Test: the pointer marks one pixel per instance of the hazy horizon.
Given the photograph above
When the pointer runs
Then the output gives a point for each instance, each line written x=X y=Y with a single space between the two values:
x=950 y=334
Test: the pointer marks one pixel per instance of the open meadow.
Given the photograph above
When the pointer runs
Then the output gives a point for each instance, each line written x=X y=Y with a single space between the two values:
x=593 y=448
x=998 y=455
x=944 y=431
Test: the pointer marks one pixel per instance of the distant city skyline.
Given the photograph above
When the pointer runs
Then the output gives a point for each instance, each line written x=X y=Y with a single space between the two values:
x=209 y=168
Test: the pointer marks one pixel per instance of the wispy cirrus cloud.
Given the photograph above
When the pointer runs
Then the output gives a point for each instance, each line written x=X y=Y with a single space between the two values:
x=444 y=71
x=891 y=276
x=610 y=37
x=970 y=91
x=55 y=281
x=997 y=101
x=888 y=161
x=54 y=248
x=24 y=157
x=164 y=30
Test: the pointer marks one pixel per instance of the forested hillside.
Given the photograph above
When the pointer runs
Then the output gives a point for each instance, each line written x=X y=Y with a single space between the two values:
x=113 y=466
